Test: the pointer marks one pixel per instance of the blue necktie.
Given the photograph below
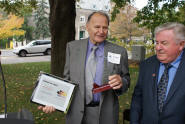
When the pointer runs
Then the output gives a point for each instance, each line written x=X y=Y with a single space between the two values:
x=162 y=87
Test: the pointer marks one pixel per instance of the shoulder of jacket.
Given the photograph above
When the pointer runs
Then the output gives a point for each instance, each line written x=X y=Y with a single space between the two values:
x=150 y=60
x=115 y=46
x=75 y=42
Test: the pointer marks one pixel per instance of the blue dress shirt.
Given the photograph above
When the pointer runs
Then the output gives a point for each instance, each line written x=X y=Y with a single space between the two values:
x=172 y=71
x=99 y=67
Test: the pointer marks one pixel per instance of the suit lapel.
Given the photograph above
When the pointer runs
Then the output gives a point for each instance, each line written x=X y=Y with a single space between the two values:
x=107 y=68
x=178 y=79
x=155 y=72
x=107 y=65
x=82 y=57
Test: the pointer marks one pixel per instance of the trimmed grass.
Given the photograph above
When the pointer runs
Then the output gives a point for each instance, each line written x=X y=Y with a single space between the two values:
x=20 y=80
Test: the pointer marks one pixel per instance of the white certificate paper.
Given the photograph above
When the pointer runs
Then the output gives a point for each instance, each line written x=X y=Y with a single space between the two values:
x=53 y=91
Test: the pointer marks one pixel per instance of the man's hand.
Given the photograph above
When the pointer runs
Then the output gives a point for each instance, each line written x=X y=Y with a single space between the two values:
x=115 y=81
x=47 y=109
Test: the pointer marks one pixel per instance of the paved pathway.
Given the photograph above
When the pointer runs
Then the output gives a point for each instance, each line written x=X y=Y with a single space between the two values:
x=7 y=57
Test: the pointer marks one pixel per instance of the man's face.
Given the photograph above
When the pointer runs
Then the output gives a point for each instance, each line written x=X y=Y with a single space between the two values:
x=167 y=49
x=97 y=28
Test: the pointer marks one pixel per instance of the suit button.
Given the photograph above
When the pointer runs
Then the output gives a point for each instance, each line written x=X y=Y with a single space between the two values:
x=82 y=112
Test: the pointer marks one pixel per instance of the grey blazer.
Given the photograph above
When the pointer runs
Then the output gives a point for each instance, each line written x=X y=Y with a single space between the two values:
x=74 y=70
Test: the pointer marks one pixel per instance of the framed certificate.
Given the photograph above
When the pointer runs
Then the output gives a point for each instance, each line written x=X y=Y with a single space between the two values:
x=53 y=91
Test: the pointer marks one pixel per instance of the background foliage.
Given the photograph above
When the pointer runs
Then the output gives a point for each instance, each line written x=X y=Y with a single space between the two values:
x=62 y=26
x=10 y=26
x=18 y=7
x=42 y=20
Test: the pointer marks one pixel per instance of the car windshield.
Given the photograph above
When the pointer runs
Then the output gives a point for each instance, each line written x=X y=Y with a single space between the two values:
x=30 y=43
x=33 y=43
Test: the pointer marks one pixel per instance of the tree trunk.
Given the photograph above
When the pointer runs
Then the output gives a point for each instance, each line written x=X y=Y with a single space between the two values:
x=62 y=28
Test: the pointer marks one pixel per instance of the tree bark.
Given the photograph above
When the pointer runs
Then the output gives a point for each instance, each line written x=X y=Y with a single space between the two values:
x=62 y=28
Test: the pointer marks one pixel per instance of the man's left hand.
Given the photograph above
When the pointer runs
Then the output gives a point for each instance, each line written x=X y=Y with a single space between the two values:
x=115 y=81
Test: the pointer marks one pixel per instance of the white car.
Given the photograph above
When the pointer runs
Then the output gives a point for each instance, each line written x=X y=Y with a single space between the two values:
x=36 y=46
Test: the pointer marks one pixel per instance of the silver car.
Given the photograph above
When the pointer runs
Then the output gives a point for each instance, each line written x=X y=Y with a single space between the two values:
x=36 y=46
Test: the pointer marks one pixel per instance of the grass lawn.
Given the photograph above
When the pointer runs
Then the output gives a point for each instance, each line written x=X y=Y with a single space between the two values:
x=20 y=80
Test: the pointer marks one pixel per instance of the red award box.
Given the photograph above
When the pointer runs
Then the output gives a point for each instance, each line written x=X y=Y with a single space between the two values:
x=101 y=88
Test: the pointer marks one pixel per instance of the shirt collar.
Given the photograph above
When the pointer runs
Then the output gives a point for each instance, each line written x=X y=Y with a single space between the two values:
x=100 y=46
x=176 y=62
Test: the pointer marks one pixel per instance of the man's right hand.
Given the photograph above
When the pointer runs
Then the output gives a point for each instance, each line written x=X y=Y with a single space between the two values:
x=47 y=109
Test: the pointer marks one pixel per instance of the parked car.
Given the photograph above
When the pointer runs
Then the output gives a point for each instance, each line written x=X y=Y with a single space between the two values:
x=36 y=46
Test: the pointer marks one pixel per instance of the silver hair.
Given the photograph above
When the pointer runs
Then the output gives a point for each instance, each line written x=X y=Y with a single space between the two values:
x=178 y=30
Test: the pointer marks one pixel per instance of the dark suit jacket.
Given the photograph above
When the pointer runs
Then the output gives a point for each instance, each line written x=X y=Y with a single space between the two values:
x=74 y=71
x=144 y=109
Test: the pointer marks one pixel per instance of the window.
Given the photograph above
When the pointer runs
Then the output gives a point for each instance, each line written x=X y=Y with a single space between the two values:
x=94 y=6
x=82 y=19
x=106 y=7
x=43 y=42
x=82 y=35
x=35 y=43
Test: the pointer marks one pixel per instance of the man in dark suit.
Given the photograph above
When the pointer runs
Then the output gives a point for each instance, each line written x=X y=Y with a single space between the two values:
x=111 y=68
x=159 y=95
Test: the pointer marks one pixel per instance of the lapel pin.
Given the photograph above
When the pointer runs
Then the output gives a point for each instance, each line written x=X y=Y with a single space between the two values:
x=153 y=75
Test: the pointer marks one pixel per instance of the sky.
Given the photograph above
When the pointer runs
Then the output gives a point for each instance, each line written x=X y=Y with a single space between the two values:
x=140 y=3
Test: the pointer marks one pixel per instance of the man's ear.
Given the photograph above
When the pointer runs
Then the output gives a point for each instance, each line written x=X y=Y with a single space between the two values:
x=182 y=45
x=87 y=26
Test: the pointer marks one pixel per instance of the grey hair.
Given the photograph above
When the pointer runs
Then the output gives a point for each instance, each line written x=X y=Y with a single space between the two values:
x=98 y=12
x=178 y=30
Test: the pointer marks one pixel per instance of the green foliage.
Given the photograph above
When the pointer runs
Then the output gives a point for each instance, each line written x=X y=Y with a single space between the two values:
x=181 y=14
x=23 y=9
x=3 y=43
x=148 y=46
x=42 y=21
x=28 y=36
x=28 y=29
x=18 y=7
x=158 y=12
x=118 y=5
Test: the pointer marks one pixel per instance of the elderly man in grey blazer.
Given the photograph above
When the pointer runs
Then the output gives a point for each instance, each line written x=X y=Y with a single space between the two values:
x=111 y=67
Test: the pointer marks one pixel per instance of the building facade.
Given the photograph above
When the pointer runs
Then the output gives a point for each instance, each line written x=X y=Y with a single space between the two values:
x=83 y=9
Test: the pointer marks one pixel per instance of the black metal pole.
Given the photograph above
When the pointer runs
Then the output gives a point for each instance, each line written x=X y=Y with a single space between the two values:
x=4 y=86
